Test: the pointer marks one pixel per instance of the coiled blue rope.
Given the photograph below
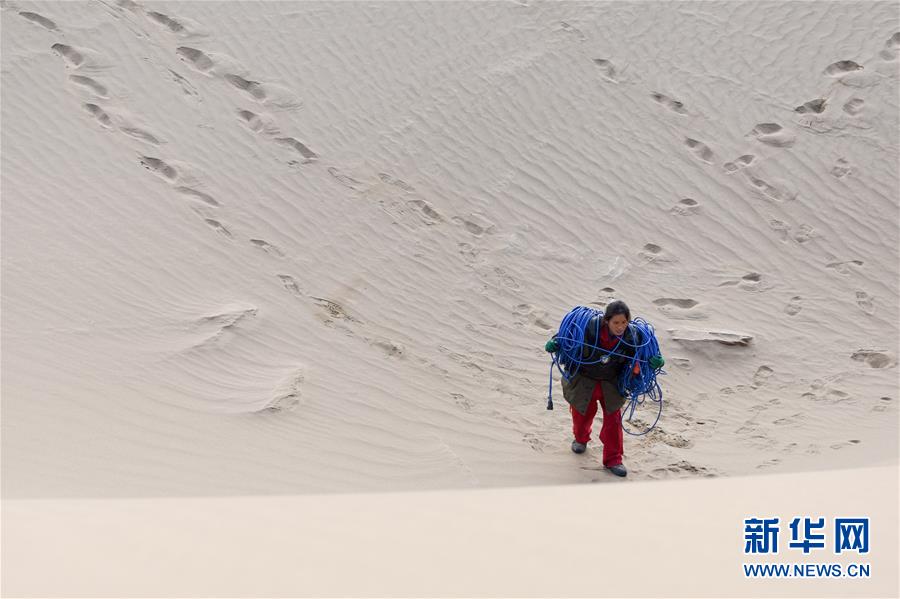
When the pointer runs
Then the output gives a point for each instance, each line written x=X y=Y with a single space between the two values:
x=635 y=388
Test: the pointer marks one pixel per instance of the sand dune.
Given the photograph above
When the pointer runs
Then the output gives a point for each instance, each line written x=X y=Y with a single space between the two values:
x=317 y=247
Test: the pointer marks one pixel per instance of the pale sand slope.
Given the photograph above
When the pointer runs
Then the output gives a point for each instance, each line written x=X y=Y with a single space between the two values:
x=317 y=247
x=520 y=542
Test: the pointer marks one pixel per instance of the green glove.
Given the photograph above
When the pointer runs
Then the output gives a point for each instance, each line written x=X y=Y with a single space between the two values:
x=657 y=362
x=552 y=346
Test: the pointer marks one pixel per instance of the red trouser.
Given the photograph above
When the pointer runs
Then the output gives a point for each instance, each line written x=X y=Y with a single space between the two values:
x=611 y=434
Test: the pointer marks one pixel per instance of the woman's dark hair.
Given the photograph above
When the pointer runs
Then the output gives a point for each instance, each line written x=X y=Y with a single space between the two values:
x=616 y=307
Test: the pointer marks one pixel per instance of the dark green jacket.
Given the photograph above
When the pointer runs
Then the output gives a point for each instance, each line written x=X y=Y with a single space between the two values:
x=579 y=389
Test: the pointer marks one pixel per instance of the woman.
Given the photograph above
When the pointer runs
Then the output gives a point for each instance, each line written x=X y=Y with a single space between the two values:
x=597 y=382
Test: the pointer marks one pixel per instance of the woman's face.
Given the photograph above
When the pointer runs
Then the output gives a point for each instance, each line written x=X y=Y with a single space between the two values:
x=617 y=324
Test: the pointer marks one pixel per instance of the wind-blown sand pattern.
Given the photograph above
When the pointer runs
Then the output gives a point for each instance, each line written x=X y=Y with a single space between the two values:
x=291 y=247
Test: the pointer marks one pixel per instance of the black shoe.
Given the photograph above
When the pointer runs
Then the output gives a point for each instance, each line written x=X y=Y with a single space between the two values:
x=618 y=470
x=578 y=447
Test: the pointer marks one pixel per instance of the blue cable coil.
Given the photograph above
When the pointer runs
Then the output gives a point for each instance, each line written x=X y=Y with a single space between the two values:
x=635 y=388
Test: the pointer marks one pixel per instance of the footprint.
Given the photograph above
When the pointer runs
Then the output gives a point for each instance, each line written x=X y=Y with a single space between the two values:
x=573 y=30
x=542 y=324
x=794 y=306
x=700 y=150
x=140 y=134
x=607 y=70
x=751 y=282
x=73 y=57
x=523 y=309
x=197 y=195
x=812 y=449
x=762 y=375
x=218 y=227
x=866 y=302
x=841 y=68
x=99 y=114
x=505 y=278
x=277 y=95
x=891 y=48
x=396 y=182
x=654 y=253
x=290 y=284
x=267 y=247
x=767 y=128
x=836 y=396
x=426 y=209
x=773 y=134
x=672 y=440
x=258 y=123
x=804 y=233
x=159 y=168
x=251 y=119
x=844 y=267
x=186 y=86
x=391 y=349
x=533 y=441
x=469 y=253
x=792 y=419
x=873 y=358
x=883 y=406
x=684 y=364
x=195 y=58
x=684 y=466
x=680 y=308
x=536 y=317
x=462 y=401
x=776 y=193
x=254 y=88
x=844 y=444
x=670 y=103
x=334 y=309
x=780 y=227
x=308 y=155
x=344 y=179
x=854 y=106
x=841 y=168
x=679 y=303
x=833 y=396
x=475 y=224
x=40 y=20
x=168 y=22
x=98 y=88
x=816 y=106
x=769 y=463
x=685 y=207
x=738 y=163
